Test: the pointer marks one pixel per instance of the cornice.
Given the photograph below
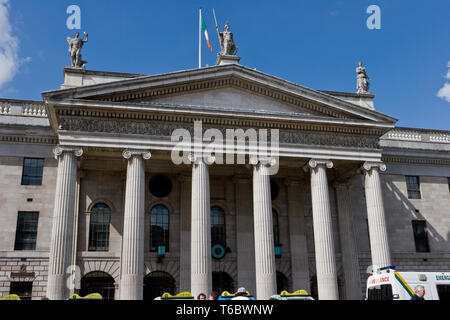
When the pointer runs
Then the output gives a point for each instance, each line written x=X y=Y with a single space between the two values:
x=28 y=139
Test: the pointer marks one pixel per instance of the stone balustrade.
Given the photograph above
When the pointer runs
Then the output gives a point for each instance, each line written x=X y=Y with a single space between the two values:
x=418 y=135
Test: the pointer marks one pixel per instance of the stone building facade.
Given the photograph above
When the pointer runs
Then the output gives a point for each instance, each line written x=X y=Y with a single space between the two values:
x=352 y=190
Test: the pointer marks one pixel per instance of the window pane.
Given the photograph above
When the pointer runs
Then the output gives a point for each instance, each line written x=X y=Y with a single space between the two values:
x=26 y=231
x=32 y=171
x=99 y=228
x=413 y=186
x=420 y=235
x=218 y=231
x=159 y=227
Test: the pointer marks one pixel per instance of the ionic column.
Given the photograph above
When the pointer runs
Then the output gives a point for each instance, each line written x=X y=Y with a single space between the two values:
x=245 y=239
x=323 y=230
x=63 y=219
x=185 y=232
x=201 y=270
x=379 y=245
x=349 y=250
x=132 y=259
x=297 y=237
x=266 y=284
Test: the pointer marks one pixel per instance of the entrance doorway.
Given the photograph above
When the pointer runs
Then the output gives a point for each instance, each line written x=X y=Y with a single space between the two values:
x=157 y=283
x=98 y=282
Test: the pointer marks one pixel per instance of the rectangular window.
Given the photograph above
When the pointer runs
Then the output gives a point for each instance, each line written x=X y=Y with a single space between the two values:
x=32 y=172
x=420 y=235
x=22 y=289
x=443 y=292
x=413 y=186
x=26 y=231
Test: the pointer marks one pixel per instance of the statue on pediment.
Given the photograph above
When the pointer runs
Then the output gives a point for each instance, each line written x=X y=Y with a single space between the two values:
x=75 y=46
x=227 y=42
x=362 y=83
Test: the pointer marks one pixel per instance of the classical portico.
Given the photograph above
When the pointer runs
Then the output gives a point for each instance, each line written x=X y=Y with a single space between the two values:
x=325 y=139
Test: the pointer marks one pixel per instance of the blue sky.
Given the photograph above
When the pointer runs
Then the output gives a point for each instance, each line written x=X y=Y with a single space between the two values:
x=313 y=43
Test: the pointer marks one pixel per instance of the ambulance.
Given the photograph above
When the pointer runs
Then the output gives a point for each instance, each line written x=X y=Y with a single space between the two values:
x=387 y=284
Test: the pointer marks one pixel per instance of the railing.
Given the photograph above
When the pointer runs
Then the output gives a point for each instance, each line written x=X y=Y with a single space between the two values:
x=35 y=110
x=418 y=135
x=22 y=108
x=5 y=108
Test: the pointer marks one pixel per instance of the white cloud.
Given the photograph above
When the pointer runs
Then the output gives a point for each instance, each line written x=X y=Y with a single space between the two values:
x=9 y=47
x=448 y=73
x=444 y=92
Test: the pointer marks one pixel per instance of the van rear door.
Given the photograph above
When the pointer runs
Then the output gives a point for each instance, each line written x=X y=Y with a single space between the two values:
x=380 y=292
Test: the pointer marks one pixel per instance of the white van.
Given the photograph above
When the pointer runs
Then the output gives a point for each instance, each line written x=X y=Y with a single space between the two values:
x=387 y=284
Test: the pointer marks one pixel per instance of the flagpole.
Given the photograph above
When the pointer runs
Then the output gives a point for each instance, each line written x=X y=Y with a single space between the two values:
x=200 y=38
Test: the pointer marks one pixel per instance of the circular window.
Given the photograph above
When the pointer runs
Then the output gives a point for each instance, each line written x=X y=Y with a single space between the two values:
x=218 y=251
x=160 y=186
x=274 y=190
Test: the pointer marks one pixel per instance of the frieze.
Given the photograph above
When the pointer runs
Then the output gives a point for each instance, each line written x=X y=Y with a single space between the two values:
x=166 y=130
x=87 y=115
x=321 y=139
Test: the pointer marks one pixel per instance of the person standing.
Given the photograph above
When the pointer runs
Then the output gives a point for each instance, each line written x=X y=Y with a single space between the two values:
x=241 y=294
x=419 y=293
x=201 y=296
x=214 y=295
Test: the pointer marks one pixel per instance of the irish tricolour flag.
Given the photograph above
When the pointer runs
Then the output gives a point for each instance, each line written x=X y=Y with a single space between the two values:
x=205 y=31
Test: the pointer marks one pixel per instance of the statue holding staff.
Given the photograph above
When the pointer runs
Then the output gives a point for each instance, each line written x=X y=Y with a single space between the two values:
x=226 y=40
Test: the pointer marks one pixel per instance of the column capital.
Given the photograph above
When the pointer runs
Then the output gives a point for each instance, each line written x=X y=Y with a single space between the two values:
x=265 y=161
x=59 y=150
x=128 y=153
x=196 y=159
x=314 y=163
x=368 y=166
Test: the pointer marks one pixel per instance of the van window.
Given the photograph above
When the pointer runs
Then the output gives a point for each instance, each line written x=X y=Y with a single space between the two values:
x=443 y=292
x=382 y=292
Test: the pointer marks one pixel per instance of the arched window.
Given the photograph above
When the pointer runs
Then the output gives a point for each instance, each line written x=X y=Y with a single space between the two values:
x=99 y=227
x=159 y=227
x=276 y=228
x=98 y=282
x=221 y=281
x=282 y=282
x=157 y=283
x=218 y=233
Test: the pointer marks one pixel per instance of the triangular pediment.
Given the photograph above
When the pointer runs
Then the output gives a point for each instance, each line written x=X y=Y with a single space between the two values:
x=232 y=87
x=233 y=99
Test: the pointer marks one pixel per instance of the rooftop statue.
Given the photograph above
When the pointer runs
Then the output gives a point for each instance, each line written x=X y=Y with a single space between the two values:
x=75 y=46
x=362 y=83
x=227 y=42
